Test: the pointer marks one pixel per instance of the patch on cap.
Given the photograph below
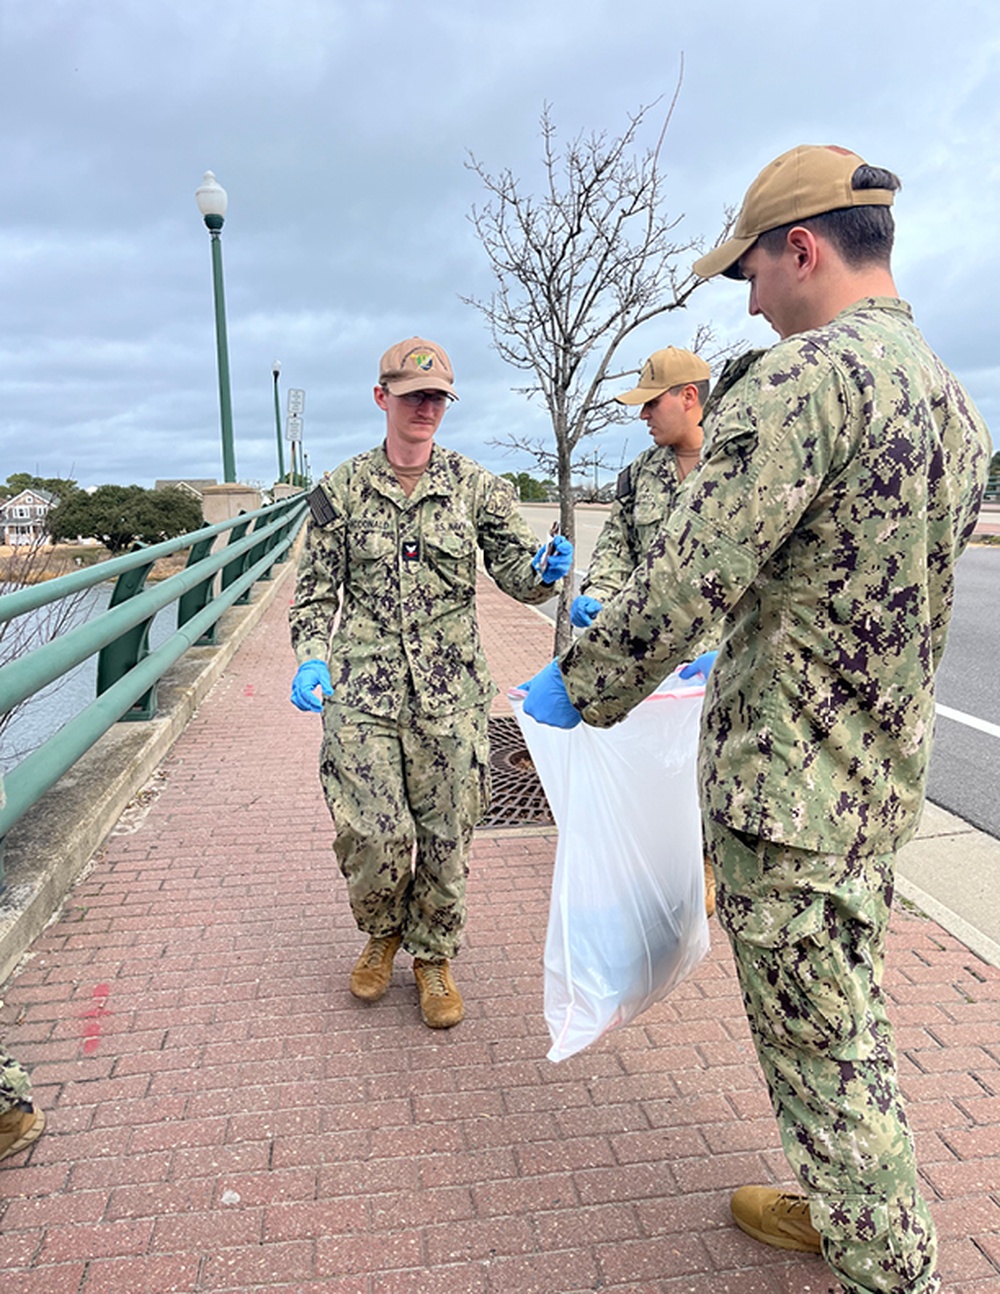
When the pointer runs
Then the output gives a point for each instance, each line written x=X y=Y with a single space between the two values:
x=416 y=365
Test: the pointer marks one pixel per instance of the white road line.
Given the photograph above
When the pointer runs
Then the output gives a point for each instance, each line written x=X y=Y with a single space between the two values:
x=970 y=720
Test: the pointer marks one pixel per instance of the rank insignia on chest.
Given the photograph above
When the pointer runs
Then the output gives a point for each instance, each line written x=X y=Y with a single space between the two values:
x=410 y=550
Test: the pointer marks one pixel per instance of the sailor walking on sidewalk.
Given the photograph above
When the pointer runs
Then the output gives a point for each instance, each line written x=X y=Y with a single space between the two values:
x=406 y=689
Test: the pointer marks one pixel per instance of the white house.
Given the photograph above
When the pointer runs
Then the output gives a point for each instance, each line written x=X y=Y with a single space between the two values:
x=22 y=518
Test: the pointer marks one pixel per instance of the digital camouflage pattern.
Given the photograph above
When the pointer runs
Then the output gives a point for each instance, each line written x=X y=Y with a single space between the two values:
x=405 y=757
x=841 y=479
x=407 y=567
x=392 y=784
x=808 y=936
x=647 y=494
x=842 y=475
x=15 y=1085
x=732 y=371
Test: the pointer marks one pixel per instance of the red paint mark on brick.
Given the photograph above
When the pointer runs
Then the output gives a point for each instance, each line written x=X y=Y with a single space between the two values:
x=248 y=690
x=92 y=1018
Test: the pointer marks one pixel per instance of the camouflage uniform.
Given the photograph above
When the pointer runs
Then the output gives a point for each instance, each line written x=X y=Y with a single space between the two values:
x=645 y=495
x=405 y=758
x=842 y=478
x=15 y=1085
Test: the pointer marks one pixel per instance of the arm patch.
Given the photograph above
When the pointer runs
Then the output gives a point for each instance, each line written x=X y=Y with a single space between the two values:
x=623 y=486
x=321 y=507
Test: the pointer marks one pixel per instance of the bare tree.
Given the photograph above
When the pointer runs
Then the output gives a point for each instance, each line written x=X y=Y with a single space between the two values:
x=31 y=563
x=578 y=269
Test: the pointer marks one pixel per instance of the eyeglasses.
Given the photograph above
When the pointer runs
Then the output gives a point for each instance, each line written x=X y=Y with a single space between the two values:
x=416 y=398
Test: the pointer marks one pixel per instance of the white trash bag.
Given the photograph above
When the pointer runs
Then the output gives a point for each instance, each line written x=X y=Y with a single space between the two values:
x=627 y=915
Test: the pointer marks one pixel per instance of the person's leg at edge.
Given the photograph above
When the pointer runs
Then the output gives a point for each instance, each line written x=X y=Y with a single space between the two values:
x=808 y=936
x=361 y=771
x=21 y=1121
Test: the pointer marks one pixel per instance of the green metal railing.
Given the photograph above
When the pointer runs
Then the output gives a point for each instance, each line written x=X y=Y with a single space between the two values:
x=214 y=579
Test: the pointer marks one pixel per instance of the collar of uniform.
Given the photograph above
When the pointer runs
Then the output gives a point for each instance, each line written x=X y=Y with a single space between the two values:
x=896 y=304
x=437 y=479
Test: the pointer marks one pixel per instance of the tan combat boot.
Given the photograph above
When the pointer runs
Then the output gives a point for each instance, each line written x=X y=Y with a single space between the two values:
x=709 y=889
x=775 y=1218
x=373 y=969
x=441 y=1003
x=19 y=1128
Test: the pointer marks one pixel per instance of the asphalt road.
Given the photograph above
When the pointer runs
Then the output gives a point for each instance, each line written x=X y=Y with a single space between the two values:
x=965 y=764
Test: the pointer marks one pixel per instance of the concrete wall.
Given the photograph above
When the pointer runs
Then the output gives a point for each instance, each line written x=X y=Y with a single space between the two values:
x=223 y=502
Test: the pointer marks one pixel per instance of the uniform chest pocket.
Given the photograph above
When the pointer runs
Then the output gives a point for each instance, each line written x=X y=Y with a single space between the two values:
x=650 y=511
x=370 y=544
x=452 y=554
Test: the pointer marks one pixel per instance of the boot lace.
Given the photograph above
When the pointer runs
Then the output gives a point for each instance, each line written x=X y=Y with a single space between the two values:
x=795 y=1206
x=434 y=979
x=378 y=946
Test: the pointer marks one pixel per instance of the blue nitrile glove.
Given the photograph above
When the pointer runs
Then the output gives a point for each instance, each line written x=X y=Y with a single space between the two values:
x=700 y=665
x=558 y=563
x=583 y=611
x=310 y=675
x=548 y=701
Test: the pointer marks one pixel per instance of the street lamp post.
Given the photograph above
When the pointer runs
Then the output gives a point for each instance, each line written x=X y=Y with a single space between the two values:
x=276 y=370
x=212 y=203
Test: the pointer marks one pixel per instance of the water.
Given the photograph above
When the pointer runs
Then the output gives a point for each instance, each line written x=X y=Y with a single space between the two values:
x=44 y=714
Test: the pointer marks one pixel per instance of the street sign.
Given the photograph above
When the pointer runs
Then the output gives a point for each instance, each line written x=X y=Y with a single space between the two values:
x=296 y=405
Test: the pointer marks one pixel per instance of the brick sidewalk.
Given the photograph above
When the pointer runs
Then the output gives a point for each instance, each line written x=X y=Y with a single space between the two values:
x=224 y=1116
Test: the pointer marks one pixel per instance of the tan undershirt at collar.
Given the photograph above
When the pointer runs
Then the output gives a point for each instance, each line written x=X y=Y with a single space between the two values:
x=686 y=460
x=407 y=476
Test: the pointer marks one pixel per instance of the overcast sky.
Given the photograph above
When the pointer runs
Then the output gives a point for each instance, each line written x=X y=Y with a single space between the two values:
x=341 y=131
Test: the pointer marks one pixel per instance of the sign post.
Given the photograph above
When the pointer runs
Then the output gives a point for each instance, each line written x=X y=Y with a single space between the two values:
x=294 y=421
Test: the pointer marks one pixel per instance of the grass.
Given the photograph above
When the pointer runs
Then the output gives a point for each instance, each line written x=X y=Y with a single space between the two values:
x=18 y=566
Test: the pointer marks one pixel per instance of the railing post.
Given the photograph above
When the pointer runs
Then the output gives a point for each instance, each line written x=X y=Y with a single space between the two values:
x=232 y=571
x=196 y=599
x=116 y=659
x=258 y=550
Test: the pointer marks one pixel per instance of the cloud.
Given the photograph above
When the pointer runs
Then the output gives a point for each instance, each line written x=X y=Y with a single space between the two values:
x=342 y=133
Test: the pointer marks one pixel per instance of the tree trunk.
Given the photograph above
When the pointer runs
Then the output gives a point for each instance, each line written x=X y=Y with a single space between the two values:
x=567 y=527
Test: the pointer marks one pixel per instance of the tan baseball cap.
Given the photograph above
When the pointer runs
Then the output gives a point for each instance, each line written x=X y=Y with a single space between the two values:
x=416 y=365
x=805 y=181
x=664 y=369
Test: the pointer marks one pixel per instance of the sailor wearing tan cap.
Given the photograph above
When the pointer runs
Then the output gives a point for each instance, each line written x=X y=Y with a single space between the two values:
x=841 y=480
x=671 y=391
x=384 y=624
x=672 y=388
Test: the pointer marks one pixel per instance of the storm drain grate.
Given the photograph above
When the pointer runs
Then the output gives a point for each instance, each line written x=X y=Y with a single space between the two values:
x=518 y=798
